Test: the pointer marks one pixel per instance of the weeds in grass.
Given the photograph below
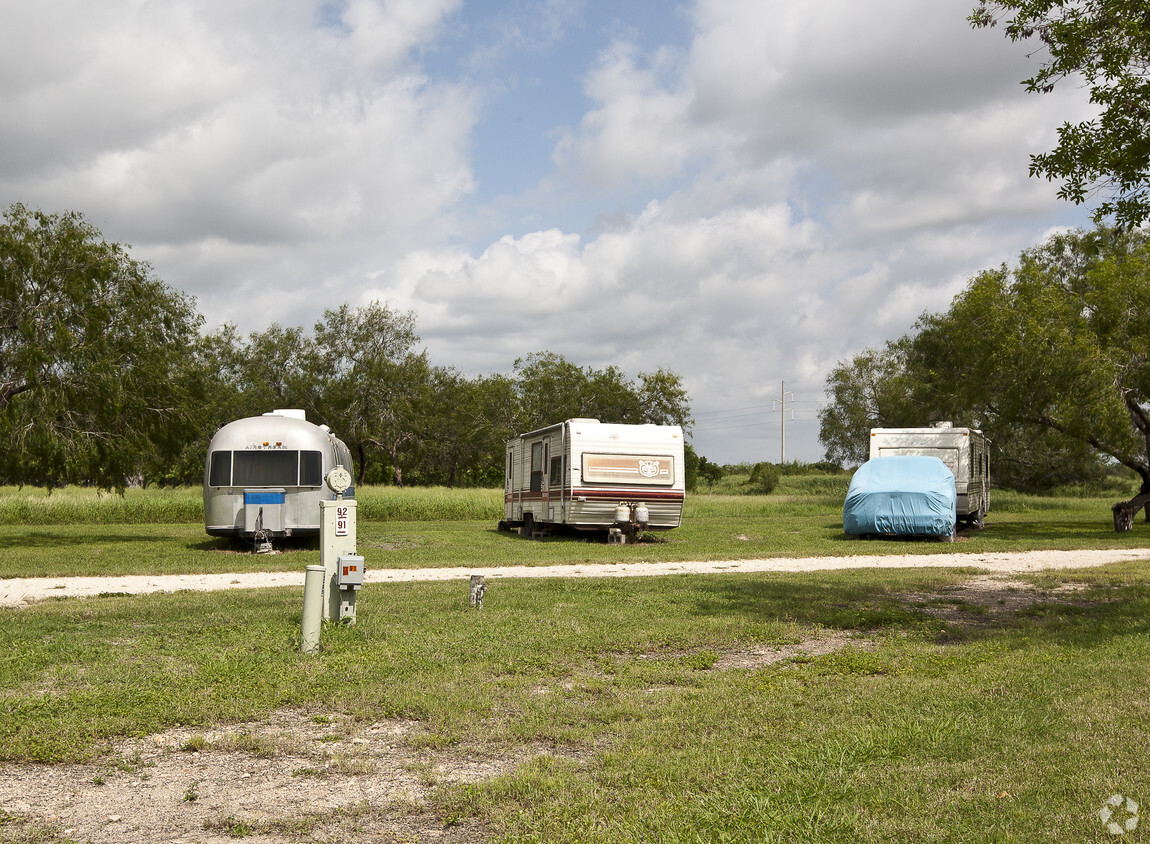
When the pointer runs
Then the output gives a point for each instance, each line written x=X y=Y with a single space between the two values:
x=233 y=826
x=195 y=744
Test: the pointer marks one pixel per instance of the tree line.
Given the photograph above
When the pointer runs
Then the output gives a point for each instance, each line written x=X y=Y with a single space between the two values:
x=1051 y=358
x=107 y=377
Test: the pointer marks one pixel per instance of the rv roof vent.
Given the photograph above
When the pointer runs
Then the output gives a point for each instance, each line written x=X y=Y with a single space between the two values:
x=944 y=424
x=593 y=421
x=289 y=413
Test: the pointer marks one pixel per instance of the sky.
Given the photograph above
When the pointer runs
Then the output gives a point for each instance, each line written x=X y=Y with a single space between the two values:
x=744 y=192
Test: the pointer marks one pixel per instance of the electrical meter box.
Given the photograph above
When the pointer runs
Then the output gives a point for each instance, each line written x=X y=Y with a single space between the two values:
x=349 y=571
x=264 y=510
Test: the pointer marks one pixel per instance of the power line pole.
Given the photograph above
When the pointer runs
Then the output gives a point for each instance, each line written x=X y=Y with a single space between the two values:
x=783 y=416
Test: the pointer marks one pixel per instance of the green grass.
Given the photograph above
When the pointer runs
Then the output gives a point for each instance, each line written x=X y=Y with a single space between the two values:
x=184 y=505
x=1000 y=726
x=715 y=527
x=942 y=731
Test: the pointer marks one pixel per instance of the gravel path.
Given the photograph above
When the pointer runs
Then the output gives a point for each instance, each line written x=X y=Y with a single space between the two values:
x=22 y=590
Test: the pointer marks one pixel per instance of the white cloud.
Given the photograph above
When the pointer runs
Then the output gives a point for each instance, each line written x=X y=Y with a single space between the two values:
x=783 y=185
x=182 y=127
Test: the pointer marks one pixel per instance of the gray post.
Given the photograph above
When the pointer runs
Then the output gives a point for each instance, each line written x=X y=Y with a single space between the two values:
x=478 y=587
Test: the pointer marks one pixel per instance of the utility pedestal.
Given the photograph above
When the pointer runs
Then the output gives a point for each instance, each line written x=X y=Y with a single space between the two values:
x=336 y=546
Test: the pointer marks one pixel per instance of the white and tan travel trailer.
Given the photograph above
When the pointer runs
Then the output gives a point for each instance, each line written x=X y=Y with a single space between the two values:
x=965 y=451
x=595 y=476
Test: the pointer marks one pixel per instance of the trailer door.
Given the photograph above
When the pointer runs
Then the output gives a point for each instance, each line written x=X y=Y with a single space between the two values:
x=509 y=485
x=555 y=491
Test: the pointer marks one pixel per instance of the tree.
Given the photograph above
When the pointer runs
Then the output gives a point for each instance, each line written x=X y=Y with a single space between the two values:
x=550 y=389
x=1060 y=343
x=371 y=386
x=664 y=400
x=469 y=424
x=691 y=460
x=97 y=365
x=1107 y=43
x=710 y=472
x=875 y=389
x=1050 y=358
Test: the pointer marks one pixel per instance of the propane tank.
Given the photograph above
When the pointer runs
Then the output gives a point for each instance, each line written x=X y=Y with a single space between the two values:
x=642 y=516
x=622 y=512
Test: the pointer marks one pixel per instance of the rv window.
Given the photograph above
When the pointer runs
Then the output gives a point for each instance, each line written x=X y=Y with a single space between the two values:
x=536 y=467
x=220 y=470
x=266 y=468
x=556 y=471
x=311 y=468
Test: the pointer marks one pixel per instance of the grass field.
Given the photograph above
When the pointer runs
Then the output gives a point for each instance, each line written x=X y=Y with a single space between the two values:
x=937 y=712
x=82 y=532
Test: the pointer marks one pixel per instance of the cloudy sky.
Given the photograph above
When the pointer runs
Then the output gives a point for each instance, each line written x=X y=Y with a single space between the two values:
x=742 y=191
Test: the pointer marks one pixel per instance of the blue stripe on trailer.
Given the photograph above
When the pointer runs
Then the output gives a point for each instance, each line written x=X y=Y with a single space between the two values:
x=264 y=497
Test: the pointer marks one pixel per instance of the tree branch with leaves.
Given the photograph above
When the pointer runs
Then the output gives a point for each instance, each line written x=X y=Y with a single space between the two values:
x=1105 y=43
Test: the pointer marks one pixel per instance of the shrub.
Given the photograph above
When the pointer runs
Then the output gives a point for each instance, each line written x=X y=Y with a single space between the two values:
x=764 y=478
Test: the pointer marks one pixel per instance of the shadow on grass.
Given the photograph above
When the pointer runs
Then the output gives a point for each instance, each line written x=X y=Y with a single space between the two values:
x=48 y=539
x=240 y=546
x=1076 y=619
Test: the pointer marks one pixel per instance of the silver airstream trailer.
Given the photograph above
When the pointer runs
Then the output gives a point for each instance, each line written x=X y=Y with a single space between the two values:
x=264 y=477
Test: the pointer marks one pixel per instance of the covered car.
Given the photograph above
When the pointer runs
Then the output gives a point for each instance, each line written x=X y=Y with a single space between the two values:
x=902 y=496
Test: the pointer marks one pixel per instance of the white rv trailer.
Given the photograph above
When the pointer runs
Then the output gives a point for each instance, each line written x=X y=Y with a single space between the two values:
x=595 y=476
x=965 y=451
x=264 y=476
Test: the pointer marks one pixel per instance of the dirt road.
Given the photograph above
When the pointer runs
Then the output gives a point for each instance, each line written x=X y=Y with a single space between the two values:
x=22 y=590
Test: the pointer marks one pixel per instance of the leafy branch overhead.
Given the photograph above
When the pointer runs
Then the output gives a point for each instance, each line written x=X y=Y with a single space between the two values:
x=1106 y=44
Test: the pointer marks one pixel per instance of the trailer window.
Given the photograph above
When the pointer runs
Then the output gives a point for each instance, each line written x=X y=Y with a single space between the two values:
x=536 y=467
x=273 y=468
x=556 y=471
x=220 y=469
x=311 y=468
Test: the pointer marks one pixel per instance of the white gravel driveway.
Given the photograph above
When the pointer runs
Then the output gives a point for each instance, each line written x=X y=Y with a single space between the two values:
x=22 y=590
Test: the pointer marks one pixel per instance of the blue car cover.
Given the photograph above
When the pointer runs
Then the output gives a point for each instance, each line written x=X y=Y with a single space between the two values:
x=901 y=495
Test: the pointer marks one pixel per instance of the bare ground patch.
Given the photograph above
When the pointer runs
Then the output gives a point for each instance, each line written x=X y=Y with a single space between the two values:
x=290 y=778
x=988 y=601
x=808 y=648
